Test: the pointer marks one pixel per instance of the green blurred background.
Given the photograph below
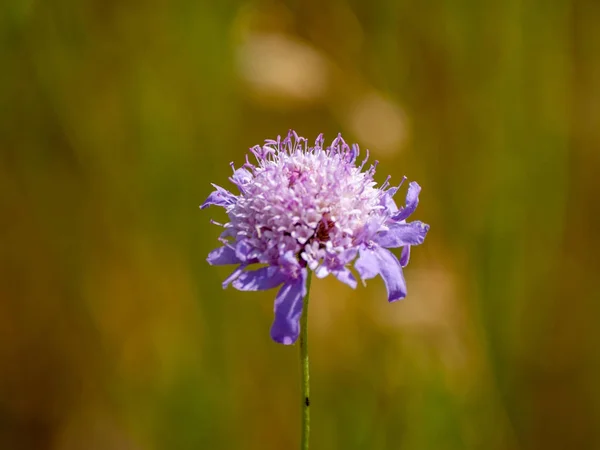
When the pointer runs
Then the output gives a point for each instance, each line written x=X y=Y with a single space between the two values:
x=116 y=116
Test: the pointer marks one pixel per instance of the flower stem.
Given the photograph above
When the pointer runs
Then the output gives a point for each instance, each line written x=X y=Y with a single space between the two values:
x=304 y=367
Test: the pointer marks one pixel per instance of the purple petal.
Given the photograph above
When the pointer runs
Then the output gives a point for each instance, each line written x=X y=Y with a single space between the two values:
x=322 y=271
x=347 y=256
x=260 y=279
x=405 y=256
x=412 y=200
x=228 y=232
x=243 y=249
x=236 y=273
x=354 y=153
x=391 y=272
x=400 y=234
x=368 y=230
x=220 y=197
x=388 y=198
x=345 y=276
x=288 y=309
x=222 y=256
x=388 y=201
x=379 y=261
x=367 y=264
x=241 y=177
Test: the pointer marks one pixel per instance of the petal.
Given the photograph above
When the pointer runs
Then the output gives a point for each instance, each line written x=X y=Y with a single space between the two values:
x=345 y=276
x=222 y=256
x=347 y=256
x=388 y=197
x=322 y=271
x=400 y=234
x=236 y=273
x=220 y=197
x=354 y=152
x=405 y=256
x=389 y=202
x=242 y=176
x=368 y=230
x=412 y=200
x=391 y=272
x=243 y=249
x=288 y=309
x=367 y=264
x=260 y=279
x=228 y=232
x=379 y=261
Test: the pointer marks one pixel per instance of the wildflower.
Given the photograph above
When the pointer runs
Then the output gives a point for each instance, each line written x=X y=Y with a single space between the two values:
x=302 y=208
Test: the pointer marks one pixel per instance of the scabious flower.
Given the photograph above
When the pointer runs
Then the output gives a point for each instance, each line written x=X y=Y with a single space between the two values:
x=302 y=208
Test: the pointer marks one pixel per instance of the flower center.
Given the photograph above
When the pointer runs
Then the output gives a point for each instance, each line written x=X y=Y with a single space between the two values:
x=323 y=228
x=294 y=175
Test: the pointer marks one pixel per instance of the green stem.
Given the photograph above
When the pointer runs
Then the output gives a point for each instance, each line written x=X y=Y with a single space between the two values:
x=304 y=366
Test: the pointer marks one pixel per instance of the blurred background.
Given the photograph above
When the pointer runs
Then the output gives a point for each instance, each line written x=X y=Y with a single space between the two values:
x=115 y=116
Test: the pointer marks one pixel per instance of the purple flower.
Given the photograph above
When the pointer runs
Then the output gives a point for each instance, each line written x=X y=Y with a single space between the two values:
x=304 y=208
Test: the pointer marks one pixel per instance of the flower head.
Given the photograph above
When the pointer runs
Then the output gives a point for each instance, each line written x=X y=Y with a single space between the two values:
x=302 y=208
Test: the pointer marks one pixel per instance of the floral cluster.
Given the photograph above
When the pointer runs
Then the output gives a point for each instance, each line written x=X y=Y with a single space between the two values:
x=303 y=207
